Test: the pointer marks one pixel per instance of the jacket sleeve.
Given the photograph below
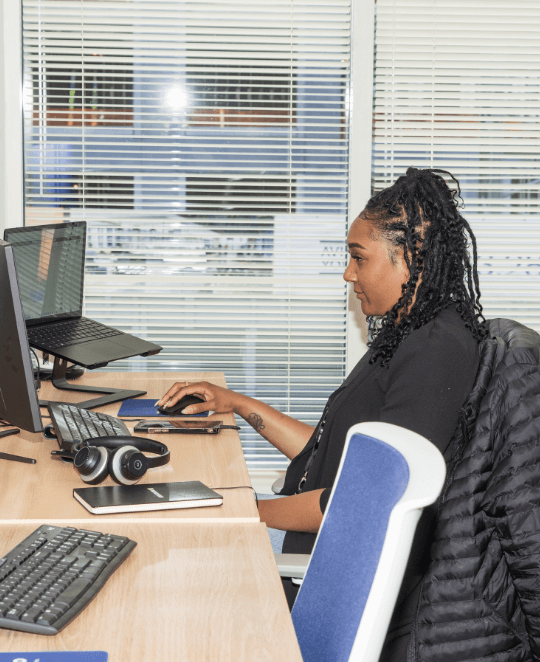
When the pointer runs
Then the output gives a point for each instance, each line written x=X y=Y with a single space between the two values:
x=512 y=497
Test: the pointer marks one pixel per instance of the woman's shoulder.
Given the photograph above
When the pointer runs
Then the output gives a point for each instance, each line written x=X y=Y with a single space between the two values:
x=444 y=338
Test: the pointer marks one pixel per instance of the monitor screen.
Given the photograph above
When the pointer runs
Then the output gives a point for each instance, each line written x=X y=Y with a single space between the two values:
x=19 y=403
x=50 y=267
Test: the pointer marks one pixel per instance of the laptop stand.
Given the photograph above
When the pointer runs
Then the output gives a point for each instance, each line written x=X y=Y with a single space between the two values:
x=60 y=382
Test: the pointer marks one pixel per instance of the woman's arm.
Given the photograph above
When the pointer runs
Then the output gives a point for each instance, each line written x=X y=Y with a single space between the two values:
x=284 y=432
x=300 y=512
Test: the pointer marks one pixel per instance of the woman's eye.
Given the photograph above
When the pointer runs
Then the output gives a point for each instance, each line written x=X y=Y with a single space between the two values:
x=358 y=258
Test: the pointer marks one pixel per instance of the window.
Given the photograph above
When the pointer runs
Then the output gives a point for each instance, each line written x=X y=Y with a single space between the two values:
x=84 y=80
x=457 y=88
x=240 y=94
x=217 y=197
x=72 y=191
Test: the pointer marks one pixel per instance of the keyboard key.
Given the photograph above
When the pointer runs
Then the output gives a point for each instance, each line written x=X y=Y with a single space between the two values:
x=81 y=563
x=56 y=609
x=72 y=593
x=14 y=613
x=31 y=615
x=47 y=618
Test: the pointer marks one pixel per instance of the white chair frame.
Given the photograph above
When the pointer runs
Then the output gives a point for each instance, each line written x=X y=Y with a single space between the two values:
x=427 y=471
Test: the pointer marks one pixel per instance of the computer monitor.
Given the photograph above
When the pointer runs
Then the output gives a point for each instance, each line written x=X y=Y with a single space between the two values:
x=19 y=403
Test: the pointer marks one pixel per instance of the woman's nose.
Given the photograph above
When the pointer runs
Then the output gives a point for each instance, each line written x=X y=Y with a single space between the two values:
x=349 y=274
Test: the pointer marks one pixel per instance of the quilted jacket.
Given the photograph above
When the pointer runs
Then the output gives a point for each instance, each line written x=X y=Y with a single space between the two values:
x=480 y=599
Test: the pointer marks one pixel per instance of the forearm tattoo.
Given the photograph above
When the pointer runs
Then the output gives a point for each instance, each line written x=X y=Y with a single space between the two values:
x=256 y=422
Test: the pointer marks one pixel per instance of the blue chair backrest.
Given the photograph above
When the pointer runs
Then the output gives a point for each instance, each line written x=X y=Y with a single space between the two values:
x=332 y=598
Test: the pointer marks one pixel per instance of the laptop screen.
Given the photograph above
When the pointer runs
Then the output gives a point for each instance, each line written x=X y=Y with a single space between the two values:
x=50 y=269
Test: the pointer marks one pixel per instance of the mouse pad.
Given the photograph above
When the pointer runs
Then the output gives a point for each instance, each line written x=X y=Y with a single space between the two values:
x=56 y=656
x=145 y=409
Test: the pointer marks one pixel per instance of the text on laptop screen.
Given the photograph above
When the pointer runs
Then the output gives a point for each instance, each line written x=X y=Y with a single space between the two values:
x=50 y=267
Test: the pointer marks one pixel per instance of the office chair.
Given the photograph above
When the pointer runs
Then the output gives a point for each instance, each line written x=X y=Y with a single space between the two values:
x=386 y=477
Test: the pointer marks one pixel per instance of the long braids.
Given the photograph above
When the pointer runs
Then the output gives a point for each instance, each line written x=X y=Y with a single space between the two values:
x=419 y=215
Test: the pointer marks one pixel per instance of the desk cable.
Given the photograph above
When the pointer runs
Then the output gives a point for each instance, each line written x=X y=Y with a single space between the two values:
x=37 y=378
x=239 y=487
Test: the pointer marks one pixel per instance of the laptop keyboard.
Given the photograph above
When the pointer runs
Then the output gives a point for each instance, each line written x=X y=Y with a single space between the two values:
x=74 y=424
x=70 y=332
x=50 y=577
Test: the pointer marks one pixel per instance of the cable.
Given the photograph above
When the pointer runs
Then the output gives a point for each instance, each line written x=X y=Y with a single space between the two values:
x=239 y=487
x=37 y=379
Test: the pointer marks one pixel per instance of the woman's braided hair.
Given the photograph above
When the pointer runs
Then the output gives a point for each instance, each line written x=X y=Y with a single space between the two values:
x=419 y=215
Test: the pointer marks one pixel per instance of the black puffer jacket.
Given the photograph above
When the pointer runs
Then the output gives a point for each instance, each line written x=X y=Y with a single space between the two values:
x=480 y=598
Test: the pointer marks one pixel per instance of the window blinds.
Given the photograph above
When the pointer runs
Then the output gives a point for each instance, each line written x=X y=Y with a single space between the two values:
x=206 y=145
x=457 y=88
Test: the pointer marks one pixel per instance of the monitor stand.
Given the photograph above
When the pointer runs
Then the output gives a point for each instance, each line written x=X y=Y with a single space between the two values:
x=113 y=394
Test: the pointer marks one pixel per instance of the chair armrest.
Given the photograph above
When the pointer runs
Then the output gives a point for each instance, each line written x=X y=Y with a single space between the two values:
x=278 y=484
x=292 y=565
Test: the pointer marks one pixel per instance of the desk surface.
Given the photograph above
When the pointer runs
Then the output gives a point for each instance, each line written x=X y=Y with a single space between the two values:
x=187 y=592
x=44 y=491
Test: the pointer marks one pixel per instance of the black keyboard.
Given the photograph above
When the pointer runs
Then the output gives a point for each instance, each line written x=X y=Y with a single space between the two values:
x=73 y=424
x=69 y=332
x=50 y=577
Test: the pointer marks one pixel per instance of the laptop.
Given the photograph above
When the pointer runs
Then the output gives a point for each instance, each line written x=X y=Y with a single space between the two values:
x=50 y=269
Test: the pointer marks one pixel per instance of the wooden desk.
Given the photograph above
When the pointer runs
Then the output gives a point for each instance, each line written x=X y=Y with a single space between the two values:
x=202 y=584
x=189 y=592
x=44 y=491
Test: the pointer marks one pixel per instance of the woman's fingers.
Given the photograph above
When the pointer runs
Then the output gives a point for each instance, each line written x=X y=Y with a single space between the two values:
x=170 y=393
x=179 y=390
x=198 y=408
x=218 y=399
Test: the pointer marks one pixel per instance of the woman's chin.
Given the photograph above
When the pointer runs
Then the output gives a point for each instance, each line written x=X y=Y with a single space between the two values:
x=364 y=305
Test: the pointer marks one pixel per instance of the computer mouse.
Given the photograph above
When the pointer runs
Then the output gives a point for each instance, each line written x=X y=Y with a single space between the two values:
x=177 y=409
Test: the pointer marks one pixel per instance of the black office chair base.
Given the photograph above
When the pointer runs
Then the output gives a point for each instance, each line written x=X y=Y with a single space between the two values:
x=60 y=382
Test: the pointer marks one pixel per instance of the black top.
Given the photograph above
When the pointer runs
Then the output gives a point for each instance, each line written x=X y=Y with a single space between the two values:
x=425 y=385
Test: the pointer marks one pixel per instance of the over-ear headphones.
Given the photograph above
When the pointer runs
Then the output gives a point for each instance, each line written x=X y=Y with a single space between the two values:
x=119 y=457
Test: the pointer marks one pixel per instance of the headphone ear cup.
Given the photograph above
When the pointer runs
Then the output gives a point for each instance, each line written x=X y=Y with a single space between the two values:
x=127 y=465
x=92 y=464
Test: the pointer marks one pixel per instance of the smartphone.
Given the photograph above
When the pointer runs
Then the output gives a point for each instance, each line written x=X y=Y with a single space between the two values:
x=179 y=426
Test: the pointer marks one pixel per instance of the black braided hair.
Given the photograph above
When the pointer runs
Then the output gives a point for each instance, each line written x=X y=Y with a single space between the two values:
x=419 y=215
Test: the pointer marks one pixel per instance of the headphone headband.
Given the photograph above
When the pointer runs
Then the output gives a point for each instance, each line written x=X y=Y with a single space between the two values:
x=140 y=443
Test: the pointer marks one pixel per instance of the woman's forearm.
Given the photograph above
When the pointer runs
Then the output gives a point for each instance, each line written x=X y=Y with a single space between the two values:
x=301 y=512
x=284 y=432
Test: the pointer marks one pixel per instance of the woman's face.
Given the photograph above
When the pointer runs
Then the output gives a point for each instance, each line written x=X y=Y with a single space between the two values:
x=375 y=276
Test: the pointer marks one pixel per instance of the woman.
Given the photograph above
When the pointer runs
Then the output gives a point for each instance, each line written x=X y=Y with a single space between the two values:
x=409 y=266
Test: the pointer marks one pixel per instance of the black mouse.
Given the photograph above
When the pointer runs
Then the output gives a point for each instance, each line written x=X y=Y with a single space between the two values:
x=178 y=408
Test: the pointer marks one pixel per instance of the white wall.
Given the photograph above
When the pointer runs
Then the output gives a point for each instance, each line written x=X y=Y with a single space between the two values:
x=11 y=142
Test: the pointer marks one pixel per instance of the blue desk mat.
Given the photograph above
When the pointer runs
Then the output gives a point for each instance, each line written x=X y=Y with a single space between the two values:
x=145 y=409
x=56 y=656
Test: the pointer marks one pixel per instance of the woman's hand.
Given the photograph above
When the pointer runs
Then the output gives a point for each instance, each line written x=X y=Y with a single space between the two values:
x=218 y=399
x=287 y=434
